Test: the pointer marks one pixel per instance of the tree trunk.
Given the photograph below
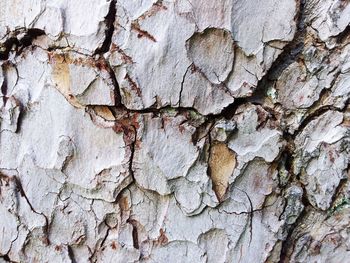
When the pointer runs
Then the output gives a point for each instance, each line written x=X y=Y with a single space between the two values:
x=174 y=131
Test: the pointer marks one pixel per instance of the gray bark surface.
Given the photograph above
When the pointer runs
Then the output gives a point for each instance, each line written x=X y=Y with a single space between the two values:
x=174 y=131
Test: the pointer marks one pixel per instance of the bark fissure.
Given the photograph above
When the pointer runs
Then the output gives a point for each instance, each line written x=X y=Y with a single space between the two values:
x=194 y=131
x=109 y=21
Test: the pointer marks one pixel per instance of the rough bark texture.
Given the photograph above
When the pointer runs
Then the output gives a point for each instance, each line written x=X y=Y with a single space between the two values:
x=174 y=131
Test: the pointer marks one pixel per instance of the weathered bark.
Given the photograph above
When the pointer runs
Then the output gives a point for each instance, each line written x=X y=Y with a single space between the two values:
x=174 y=131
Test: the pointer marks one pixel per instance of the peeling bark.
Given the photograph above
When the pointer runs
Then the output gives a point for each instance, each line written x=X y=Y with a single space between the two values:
x=174 y=131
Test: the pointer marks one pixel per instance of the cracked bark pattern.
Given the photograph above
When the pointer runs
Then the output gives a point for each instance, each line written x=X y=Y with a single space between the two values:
x=174 y=131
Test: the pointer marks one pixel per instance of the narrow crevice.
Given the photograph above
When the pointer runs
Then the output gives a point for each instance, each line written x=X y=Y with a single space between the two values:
x=285 y=161
x=209 y=172
x=71 y=254
x=7 y=46
x=313 y=116
x=4 y=84
x=8 y=259
x=291 y=52
x=118 y=97
x=23 y=194
x=337 y=191
x=343 y=35
x=230 y=110
x=289 y=242
x=182 y=83
x=18 y=44
x=251 y=214
x=248 y=225
x=133 y=222
x=203 y=128
x=157 y=111
x=109 y=21
x=135 y=235
x=132 y=153
x=317 y=109
x=28 y=38
x=227 y=113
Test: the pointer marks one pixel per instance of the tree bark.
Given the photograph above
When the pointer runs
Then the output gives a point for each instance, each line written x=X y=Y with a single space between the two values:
x=174 y=131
